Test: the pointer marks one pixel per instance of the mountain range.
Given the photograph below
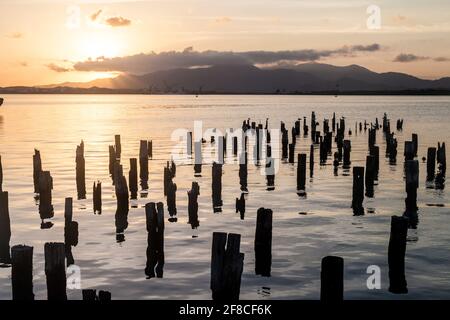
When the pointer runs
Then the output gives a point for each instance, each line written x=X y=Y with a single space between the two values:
x=302 y=78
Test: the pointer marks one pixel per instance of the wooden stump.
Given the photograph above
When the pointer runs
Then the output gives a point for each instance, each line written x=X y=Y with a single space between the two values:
x=55 y=271
x=37 y=169
x=155 y=250
x=263 y=242
x=80 y=171
x=45 y=195
x=97 y=197
x=193 y=205
x=22 y=272
x=133 y=178
x=396 y=255
x=358 y=190
x=332 y=279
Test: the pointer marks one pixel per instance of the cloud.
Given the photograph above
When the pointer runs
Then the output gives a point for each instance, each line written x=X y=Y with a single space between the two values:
x=23 y=64
x=409 y=57
x=223 y=20
x=15 y=35
x=95 y=15
x=56 y=68
x=441 y=59
x=188 y=58
x=118 y=21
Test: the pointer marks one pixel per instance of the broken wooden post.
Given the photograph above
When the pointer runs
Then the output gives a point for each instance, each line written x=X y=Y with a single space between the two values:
x=270 y=173
x=133 y=178
x=118 y=146
x=297 y=127
x=332 y=279
x=97 y=197
x=55 y=271
x=263 y=242
x=372 y=137
x=143 y=164
x=347 y=150
x=172 y=201
x=227 y=264
x=370 y=175
x=112 y=161
x=441 y=158
x=409 y=150
x=305 y=127
x=284 y=144
x=122 y=196
x=291 y=152
x=412 y=183
x=155 y=239
x=415 y=141
x=70 y=231
x=45 y=195
x=150 y=149
x=240 y=206
x=22 y=273
x=396 y=254
x=217 y=186
x=243 y=172
x=301 y=173
x=5 y=229
x=431 y=164
x=375 y=153
x=358 y=190
x=37 y=169
x=311 y=160
x=193 y=205
x=1 y=175
x=80 y=171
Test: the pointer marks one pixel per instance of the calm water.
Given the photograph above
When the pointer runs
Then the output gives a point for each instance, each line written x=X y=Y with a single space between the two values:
x=55 y=124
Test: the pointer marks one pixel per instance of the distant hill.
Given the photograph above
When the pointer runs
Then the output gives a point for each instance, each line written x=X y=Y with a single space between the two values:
x=304 y=78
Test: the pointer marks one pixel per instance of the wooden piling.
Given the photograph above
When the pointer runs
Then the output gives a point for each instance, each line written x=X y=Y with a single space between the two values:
x=227 y=264
x=217 y=185
x=240 y=206
x=45 y=195
x=5 y=229
x=409 y=150
x=332 y=279
x=172 y=201
x=415 y=141
x=370 y=175
x=22 y=273
x=150 y=149
x=358 y=190
x=118 y=146
x=193 y=205
x=431 y=164
x=154 y=214
x=1 y=175
x=37 y=169
x=301 y=173
x=189 y=143
x=55 y=271
x=97 y=197
x=291 y=152
x=80 y=171
x=133 y=178
x=143 y=161
x=263 y=242
x=412 y=183
x=112 y=160
x=396 y=255
x=347 y=150
x=89 y=294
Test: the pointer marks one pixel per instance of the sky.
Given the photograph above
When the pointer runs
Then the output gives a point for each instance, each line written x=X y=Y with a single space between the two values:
x=56 y=41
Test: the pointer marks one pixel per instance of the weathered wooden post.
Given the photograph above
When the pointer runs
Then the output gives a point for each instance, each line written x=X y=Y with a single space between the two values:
x=372 y=137
x=155 y=250
x=80 y=171
x=431 y=164
x=297 y=127
x=198 y=158
x=55 y=271
x=396 y=254
x=150 y=149
x=301 y=173
x=143 y=163
x=240 y=205
x=305 y=127
x=311 y=160
x=97 y=197
x=332 y=279
x=284 y=144
x=291 y=152
x=172 y=201
x=89 y=294
x=70 y=231
x=22 y=272
x=270 y=173
x=133 y=178
x=415 y=141
x=45 y=195
x=333 y=121
x=122 y=196
x=189 y=143
x=263 y=242
x=104 y=295
x=112 y=161
x=1 y=175
x=5 y=229
x=217 y=186
x=37 y=169
x=409 y=150
x=358 y=190
x=441 y=158
x=118 y=146
x=193 y=205
x=243 y=173
x=375 y=153
x=347 y=150
x=227 y=264
x=370 y=175
x=412 y=183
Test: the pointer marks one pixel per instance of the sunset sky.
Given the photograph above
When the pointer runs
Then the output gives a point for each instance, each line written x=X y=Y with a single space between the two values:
x=53 y=41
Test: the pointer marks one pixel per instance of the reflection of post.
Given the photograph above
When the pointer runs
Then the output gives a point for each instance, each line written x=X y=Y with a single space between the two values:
x=155 y=250
x=70 y=231
x=5 y=228
x=396 y=254
x=22 y=272
x=55 y=271
x=227 y=264
x=332 y=279
x=263 y=242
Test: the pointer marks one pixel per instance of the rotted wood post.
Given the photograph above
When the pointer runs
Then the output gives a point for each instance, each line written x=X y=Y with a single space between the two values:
x=347 y=150
x=80 y=171
x=70 y=231
x=154 y=214
x=431 y=164
x=193 y=205
x=409 y=150
x=143 y=162
x=372 y=137
x=284 y=144
x=297 y=127
x=172 y=201
x=37 y=169
x=150 y=149
x=122 y=197
x=45 y=195
x=112 y=160
x=441 y=158
x=375 y=153
x=305 y=127
x=358 y=190
x=55 y=271
x=412 y=183
x=133 y=178
x=243 y=172
x=263 y=242
x=22 y=273
x=370 y=175
x=227 y=264
x=5 y=229
x=189 y=143
x=217 y=186
x=240 y=206
x=104 y=295
x=415 y=141
x=332 y=279
x=301 y=173
x=291 y=152
x=396 y=255
x=311 y=160
x=97 y=197
x=1 y=175
x=118 y=146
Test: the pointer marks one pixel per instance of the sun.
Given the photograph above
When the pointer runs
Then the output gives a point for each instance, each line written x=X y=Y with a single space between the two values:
x=99 y=46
